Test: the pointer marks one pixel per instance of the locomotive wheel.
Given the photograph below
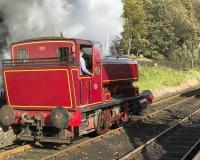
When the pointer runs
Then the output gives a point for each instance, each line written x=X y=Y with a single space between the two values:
x=149 y=95
x=120 y=122
x=6 y=116
x=103 y=121
x=60 y=117
x=124 y=118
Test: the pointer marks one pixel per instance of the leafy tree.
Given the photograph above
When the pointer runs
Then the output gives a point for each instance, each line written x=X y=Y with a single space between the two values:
x=186 y=27
x=196 y=8
x=169 y=28
x=184 y=21
x=160 y=32
x=187 y=4
x=135 y=25
x=116 y=46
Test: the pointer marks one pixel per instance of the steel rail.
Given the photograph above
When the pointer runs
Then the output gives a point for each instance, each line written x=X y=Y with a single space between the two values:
x=131 y=154
x=189 y=154
x=158 y=101
x=78 y=146
x=115 y=131
x=168 y=107
x=15 y=151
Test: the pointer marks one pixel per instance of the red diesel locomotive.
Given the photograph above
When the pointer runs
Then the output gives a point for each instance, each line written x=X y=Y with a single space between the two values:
x=48 y=100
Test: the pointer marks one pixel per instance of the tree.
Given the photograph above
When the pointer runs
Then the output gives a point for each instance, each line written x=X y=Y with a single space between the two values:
x=162 y=28
x=160 y=31
x=186 y=27
x=135 y=25
x=184 y=22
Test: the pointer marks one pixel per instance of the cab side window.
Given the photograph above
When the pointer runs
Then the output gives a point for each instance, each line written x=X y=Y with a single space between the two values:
x=22 y=54
x=63 y=54
x=87 y=55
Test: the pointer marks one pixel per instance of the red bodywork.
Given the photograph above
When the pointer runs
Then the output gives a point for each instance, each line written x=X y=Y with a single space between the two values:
x=40 y=88
x=31 y=85
x=116 y=70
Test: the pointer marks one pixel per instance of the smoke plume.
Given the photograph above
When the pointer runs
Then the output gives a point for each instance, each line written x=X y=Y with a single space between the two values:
x=88 y=19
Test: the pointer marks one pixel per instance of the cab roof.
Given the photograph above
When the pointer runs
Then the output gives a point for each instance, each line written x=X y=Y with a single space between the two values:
x=78 y=41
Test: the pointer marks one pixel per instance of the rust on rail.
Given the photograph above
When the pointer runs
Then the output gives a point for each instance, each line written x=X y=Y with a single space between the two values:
x=15 y=151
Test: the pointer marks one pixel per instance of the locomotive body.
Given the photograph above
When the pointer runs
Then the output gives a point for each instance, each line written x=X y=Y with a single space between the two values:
x=48 y=100
x=116 y=70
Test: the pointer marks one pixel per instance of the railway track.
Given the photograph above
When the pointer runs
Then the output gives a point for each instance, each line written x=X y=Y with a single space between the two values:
x=113 y=147
x=13 y=149
x=46 y=153
x=176 y=142
x=166 y=103
x=182 y=93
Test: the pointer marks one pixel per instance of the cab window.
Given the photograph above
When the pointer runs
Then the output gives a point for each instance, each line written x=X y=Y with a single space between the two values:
x=87 y=55
x=63 y=53
x=22 y=54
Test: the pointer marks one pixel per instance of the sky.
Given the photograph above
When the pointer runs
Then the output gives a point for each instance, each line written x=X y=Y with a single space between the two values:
x=98 y=20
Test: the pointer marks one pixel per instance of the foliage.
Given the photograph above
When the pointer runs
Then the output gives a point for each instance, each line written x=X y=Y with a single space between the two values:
x=162 y=28
x=135 y=27
x=184 y=21
x=196 y=7
x=186 y=56
x=160 y=35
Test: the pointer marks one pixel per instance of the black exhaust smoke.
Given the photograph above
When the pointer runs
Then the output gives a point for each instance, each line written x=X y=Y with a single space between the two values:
x=4 y=34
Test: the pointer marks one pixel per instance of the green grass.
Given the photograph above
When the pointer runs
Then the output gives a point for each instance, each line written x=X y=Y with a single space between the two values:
x=157 y=77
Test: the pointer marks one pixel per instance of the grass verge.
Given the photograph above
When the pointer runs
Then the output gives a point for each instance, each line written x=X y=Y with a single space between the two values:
x=159 y=77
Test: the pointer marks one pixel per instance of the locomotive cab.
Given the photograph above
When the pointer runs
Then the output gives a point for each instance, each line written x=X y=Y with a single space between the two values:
x=49 y=100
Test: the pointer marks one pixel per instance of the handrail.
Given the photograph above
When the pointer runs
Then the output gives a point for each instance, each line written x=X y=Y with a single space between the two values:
x=37 y=62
